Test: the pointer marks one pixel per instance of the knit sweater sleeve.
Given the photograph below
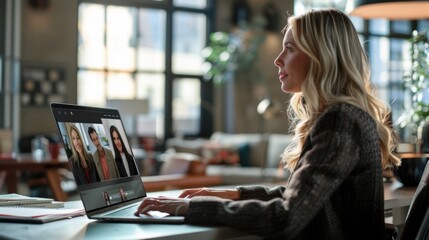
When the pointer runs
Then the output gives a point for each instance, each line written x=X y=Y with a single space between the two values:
x=329 y=155
x=260 y=192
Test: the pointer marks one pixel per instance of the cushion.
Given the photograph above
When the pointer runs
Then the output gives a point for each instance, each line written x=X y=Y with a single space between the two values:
x=185 y=145
x=177 y=163
x=276 y=145
x=219 y=153
x=244 y=154
x=256 y=141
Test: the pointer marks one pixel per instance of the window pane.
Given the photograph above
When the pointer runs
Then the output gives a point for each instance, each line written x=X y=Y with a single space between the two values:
x=120 y=86
x=379 y=55
x=189 y=36
x=120 y=38
x=358 y=23
x=379 y=26
x=423 y=25
x=151 y=40
x=400 y=60
x=151 y=87
x=91 y=50
x=401 y=27
x=186 y=106
x=400 y=64
x=190 y=3
x=397 y=101
x=91 y=88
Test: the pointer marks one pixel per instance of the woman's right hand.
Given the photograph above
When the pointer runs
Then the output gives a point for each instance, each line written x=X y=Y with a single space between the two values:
x=232 y=194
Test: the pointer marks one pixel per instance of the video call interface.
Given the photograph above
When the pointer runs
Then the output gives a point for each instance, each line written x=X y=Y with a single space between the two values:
x=100 y=155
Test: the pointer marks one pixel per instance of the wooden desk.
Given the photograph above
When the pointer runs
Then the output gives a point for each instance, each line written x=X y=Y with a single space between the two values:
x=12 y=165
x=398 y=199
x=82 y=228
x=78 y=228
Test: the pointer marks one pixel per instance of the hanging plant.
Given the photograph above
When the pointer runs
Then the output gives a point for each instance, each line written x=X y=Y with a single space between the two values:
x=233 y=51
x=217 y=57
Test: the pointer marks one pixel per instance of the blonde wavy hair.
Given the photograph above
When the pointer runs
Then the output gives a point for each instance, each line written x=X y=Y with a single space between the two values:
x=86 y=155
x=339 y=72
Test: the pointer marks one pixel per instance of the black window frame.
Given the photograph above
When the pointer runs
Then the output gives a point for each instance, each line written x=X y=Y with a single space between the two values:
x=206 y=95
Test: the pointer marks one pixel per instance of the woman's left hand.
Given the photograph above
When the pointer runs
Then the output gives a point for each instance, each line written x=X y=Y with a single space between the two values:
x=172 y=206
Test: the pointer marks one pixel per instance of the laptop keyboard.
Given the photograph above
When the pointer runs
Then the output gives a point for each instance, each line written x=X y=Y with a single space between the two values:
x=129 y=211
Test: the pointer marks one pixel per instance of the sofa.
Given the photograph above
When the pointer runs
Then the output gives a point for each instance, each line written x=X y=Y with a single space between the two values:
x=255 y=157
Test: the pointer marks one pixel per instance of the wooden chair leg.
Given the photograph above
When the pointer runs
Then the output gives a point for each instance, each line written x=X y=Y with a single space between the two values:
x=54 y=181
x=2 y=179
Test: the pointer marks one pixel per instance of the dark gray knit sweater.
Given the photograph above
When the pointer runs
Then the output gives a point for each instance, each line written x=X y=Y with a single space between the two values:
x=335 y=192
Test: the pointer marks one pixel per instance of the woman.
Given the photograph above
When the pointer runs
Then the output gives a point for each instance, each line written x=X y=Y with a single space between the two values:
x=106 y=198
x=342 y=143
x=82 y=162
x=124 y=160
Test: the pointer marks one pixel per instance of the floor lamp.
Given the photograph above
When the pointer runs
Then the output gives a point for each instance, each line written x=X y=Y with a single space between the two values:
x=129 y=110
x=268 y=108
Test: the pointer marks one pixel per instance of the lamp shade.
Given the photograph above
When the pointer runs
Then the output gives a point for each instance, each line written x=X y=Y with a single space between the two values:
x=130 y=110
x=129 y=107
x=394 y=10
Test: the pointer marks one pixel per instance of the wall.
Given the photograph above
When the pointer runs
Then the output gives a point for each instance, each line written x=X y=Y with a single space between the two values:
x=251 y=87
x=49 y=39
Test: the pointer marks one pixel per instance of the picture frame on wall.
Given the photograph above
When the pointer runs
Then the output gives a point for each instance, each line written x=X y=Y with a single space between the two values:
x=41 y=85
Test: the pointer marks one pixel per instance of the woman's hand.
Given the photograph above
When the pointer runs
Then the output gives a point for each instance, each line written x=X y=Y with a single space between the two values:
x=232 y=194
x=172 y=206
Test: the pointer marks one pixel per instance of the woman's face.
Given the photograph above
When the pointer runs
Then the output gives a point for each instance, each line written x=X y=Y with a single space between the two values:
x=117 y=141
x=77 y=142
x=293 y=65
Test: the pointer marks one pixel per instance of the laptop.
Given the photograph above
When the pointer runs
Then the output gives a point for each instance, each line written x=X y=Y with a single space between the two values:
x=111 y=188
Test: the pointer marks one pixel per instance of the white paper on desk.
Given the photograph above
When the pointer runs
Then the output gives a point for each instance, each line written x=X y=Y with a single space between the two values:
x=38 y=212
x=13 y=199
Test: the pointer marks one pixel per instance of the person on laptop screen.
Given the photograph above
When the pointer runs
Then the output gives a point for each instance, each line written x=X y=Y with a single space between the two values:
x=82 y=162
x=103 y=157
x=343 y=141
x=124 y=160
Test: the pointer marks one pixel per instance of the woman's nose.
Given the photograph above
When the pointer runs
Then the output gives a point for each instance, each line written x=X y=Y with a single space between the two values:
x=278 y=62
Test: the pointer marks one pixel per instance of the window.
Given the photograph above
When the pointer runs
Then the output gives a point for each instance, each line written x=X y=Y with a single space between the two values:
x=186 y=107
x=189 y=40
x=389 y=54
x=146 y=50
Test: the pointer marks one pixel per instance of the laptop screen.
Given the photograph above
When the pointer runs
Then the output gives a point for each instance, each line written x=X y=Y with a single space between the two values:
x=102 y=162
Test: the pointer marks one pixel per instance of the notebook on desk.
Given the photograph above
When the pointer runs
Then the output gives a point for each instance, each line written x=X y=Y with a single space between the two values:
x=110 y=187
